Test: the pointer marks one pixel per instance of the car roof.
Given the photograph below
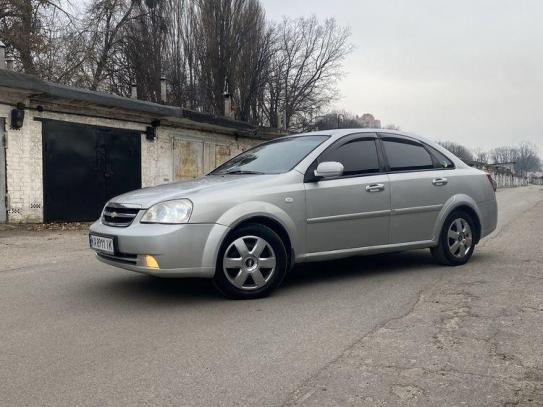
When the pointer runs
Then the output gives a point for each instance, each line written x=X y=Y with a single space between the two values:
x=335 y=134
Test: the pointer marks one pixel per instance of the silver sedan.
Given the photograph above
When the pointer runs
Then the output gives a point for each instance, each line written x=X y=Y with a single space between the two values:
x=308 y=197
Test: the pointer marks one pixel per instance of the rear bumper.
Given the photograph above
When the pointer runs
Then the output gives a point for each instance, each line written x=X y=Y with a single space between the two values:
x=188 y=250
x=489 y=216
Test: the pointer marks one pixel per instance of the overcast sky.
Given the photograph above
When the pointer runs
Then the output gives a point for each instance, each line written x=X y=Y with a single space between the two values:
x=469 y=71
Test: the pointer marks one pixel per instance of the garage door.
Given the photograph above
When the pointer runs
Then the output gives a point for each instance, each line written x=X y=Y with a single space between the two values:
x=84 y=166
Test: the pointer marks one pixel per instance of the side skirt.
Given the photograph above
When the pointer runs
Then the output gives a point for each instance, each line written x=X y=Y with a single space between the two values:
x=359 y=251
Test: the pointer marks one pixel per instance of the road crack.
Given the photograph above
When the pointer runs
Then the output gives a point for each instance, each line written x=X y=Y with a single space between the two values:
x=292 y=396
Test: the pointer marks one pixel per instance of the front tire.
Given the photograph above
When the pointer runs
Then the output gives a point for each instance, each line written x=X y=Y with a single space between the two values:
x=252 y=262
x=456 y=241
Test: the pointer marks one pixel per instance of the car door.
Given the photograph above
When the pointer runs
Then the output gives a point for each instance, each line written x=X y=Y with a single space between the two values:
x=350 y=211
x=420 y=184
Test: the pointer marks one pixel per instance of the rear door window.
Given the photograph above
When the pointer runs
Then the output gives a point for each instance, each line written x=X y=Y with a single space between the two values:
x=406 y=155
x=442 y=160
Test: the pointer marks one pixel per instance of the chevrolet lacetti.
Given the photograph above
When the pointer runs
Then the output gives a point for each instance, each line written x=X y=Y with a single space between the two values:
x=308 y=197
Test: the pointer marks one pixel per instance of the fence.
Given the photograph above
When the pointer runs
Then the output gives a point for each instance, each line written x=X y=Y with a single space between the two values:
x=505 y=178
x=509 y=180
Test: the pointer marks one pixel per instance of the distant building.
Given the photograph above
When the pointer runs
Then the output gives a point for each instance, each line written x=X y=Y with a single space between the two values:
x=367 y=120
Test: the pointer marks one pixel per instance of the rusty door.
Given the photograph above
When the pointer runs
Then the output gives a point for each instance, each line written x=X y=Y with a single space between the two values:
x=188 y=159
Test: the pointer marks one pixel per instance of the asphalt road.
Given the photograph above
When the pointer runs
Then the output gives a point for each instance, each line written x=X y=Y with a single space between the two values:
x=76 y=332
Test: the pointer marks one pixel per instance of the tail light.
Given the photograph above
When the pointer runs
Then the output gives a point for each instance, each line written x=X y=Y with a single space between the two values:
x=492 y=182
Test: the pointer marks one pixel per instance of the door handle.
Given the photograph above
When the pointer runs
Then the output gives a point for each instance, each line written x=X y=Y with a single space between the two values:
x=375 y=187
x=439 y=181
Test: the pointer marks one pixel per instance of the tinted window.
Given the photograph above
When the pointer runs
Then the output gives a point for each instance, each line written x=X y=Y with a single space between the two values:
x=357 y=157
x=271 y=158
x=442 y=160
x=404 y=156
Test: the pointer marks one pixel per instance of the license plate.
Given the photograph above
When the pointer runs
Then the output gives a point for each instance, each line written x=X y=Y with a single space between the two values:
x=102 y=244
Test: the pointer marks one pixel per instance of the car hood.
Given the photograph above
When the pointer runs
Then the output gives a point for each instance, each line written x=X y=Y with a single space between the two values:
x=147 y=197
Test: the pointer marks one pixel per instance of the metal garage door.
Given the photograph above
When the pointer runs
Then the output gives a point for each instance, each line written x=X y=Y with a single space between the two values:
x=84 y=166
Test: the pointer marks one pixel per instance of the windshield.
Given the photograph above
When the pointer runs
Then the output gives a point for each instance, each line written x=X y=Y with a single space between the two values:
x=271 y=158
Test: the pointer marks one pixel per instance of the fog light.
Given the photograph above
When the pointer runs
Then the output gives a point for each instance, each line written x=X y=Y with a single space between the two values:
x=150 y=262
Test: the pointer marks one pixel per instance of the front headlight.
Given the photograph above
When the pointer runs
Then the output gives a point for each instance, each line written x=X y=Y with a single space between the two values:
x=177 y=211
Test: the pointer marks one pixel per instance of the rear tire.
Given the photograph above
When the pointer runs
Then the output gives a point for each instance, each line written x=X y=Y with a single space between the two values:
x=456 y=240
x=252 y=262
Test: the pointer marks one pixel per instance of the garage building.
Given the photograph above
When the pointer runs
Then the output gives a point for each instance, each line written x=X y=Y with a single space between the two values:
x=65 y=151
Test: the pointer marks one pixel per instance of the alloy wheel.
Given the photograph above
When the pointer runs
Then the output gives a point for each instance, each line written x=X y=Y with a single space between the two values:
x=249 y=262
x=459 y=238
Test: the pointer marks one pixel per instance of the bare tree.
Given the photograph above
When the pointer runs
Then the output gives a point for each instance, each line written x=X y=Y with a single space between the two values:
x=21 y=29
x=305 y=68
x=38 y=33
x=527 y=158
x=504 y=154
x=250 y=69
x=201 y=46
x=481 y=156
x=180 y=53
x=217 y=47
x=458 y=150
x=144 y=45
x=105 y=25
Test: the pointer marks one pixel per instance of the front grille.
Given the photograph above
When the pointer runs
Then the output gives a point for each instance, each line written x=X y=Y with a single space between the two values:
x=119 y=216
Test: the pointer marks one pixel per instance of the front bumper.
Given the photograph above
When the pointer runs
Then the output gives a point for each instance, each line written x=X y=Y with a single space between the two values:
x=187 y=250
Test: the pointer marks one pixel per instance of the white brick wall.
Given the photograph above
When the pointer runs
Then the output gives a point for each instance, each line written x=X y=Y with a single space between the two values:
x=24 y=157
x=23 y=169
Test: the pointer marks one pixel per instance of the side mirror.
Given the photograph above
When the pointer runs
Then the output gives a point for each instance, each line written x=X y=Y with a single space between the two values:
x=329 y=169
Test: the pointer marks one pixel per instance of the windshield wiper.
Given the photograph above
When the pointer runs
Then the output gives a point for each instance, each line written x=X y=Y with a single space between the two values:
x=241 y=172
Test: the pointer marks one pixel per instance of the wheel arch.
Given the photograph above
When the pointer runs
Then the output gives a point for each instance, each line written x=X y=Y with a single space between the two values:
x=474 y=216
x=262 y=213
x=464 y=203
x=274 y=225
